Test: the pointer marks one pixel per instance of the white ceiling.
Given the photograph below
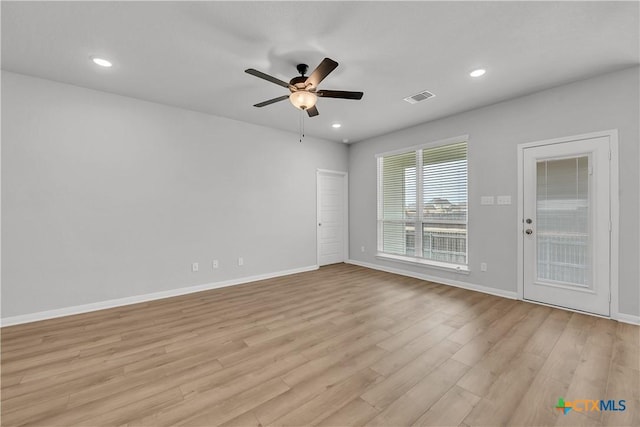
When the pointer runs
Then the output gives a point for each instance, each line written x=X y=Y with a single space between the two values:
x=193 y=54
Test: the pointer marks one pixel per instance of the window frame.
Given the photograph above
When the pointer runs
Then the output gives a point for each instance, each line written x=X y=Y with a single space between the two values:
x=463 y=268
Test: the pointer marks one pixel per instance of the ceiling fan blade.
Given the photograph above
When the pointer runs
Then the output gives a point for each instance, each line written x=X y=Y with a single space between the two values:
x=313 y=111
x=326 y=66
x=271 y=101
x=266 y=77
x=343 y=94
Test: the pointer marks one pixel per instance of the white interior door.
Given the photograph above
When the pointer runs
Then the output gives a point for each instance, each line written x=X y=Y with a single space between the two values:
x=332 y=217
x=566 y=224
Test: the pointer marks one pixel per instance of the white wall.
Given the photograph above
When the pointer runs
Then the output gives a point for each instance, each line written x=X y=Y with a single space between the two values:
x=106 y=197
x=606 y=102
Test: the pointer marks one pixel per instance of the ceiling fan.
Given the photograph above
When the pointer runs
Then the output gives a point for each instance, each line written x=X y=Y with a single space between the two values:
x=303 y=90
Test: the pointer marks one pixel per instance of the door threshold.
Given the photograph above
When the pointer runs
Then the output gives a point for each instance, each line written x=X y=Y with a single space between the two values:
x=573 y=310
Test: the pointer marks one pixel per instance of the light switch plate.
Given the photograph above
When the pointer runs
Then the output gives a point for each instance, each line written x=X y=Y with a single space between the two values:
x=504 y=200
x=486 y=200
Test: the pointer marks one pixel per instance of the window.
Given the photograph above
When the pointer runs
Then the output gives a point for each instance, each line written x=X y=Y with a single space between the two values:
x=422 y=205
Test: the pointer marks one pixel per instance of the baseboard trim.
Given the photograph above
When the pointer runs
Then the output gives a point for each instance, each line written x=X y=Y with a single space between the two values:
x=444 y=281
x=627 y=318
x=103 y=305
x=620 y=317
x=120 y=302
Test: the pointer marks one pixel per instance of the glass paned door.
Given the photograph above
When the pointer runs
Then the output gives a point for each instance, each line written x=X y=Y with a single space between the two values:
x=566 y=224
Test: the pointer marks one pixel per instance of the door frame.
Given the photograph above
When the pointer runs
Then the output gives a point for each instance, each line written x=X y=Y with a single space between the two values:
x=614 y=213
x=345 y=237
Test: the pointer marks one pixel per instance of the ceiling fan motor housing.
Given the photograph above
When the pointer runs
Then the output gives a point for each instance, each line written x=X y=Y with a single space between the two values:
x=298 y=82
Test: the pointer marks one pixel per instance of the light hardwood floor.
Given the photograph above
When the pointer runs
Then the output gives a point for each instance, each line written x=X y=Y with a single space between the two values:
x=340 y=346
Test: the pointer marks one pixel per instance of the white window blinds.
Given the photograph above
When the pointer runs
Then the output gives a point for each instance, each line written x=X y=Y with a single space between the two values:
x=562 y=215
x=424 y=215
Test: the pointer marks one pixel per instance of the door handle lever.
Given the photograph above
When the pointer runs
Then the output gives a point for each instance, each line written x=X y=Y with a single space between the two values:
x=528 y=231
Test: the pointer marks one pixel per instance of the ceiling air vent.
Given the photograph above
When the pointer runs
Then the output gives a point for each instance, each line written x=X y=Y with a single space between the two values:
x=414 y=99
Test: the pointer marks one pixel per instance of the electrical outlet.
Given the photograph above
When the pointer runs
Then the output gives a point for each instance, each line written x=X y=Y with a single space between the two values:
x=361 y=248
x=483 y=266
x=240 y=261
x=194 y=267
x=215 y=263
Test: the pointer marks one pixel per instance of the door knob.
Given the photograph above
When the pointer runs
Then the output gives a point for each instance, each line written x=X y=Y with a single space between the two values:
x=528 y=231
x=528 y=220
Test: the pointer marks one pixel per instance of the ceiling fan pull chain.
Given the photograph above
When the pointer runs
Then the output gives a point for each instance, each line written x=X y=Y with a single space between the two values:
x=301 y=125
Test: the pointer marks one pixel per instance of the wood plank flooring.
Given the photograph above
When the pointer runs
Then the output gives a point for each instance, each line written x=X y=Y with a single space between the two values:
x=341 y=346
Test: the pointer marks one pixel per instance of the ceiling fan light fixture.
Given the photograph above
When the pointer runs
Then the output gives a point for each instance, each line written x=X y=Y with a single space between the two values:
x=303 y=93
x=303 y=99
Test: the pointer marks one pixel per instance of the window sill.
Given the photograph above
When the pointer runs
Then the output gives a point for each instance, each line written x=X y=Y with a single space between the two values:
x=460 y=269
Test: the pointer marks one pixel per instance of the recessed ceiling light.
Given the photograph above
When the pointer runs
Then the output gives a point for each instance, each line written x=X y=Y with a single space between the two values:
x=101 y=62
x=336 y=125
x=477 y=73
